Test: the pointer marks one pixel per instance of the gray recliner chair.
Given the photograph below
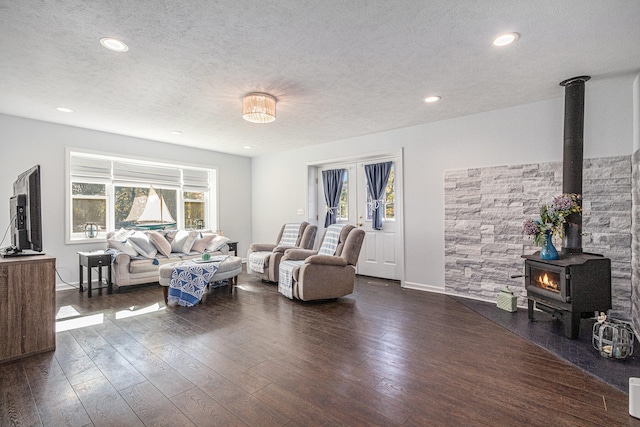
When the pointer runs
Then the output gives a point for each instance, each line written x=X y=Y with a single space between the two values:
x=270 y=254
x=325 y=276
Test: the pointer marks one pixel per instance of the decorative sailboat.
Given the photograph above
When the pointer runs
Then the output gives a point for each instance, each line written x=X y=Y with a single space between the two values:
x=150 y=212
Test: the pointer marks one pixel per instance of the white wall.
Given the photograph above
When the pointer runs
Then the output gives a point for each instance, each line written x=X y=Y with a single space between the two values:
x=529 y=133
x=636 y=113
x=25 y=142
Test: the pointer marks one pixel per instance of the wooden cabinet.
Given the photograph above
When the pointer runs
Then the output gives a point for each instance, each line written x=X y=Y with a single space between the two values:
x=27 y=306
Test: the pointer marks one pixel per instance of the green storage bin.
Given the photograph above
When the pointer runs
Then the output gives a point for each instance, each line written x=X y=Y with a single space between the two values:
x=507 y=300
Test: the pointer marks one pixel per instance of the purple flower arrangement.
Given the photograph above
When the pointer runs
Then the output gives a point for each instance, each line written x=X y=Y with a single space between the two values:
x=552 y=218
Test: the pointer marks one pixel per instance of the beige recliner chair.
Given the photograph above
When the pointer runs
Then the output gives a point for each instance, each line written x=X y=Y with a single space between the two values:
x=325 y=276
x=269 y=254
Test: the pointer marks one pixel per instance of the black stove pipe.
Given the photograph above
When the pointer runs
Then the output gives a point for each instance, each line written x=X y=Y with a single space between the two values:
x=572 y=158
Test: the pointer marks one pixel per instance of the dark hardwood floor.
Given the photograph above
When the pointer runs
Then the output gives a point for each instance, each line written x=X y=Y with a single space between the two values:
x=381 y=356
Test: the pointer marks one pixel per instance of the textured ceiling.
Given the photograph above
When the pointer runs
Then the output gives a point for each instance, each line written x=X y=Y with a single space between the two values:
x=338 y=68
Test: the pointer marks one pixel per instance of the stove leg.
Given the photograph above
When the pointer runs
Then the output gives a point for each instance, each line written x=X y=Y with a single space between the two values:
x=530 y=305
x=571 y=323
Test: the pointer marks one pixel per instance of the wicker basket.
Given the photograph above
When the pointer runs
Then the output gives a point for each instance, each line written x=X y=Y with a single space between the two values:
x=613 y=339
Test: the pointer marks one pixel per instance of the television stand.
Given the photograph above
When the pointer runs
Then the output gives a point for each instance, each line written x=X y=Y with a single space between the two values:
x=12 y=251
x=28 y=306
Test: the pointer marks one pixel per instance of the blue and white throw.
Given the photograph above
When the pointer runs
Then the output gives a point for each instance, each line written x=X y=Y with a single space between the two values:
x=289 y=235
x=330 y=241
x=189 y=280
x=285 y=277
x=256 y=261
x=289 y=238
x=328 y=247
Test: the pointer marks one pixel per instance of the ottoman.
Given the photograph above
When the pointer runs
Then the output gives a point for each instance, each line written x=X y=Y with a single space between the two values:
x=229 y=269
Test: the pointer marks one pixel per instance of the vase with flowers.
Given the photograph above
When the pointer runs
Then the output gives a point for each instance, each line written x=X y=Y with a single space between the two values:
x=553 y=218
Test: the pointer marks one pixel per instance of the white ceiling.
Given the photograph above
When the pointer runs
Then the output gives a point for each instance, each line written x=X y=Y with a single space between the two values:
x=338 y=68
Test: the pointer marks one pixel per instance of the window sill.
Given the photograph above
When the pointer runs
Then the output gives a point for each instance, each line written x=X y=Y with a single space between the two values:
x=84 y=240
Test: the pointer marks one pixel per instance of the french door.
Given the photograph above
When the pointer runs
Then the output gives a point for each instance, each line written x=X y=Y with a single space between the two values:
x=381 y=254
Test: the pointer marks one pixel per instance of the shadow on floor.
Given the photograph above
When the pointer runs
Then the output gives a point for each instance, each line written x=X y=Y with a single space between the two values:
x=547 y=332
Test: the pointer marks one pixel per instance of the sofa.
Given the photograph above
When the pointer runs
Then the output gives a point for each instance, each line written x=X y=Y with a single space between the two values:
x=137 y=255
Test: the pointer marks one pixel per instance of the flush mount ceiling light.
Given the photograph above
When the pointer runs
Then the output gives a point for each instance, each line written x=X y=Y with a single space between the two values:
x=64 y=109
x=113 y=44
x=432 y=99
x=259 y=108
x=175 y=132
x=505 y=39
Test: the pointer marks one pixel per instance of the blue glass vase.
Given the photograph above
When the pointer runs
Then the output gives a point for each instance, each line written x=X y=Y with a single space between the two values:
x=548 y=251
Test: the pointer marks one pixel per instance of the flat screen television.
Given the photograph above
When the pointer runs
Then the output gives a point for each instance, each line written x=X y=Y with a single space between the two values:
x=25 y=214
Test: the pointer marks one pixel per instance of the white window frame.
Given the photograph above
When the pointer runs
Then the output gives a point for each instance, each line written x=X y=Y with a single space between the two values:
x=106 y=198
x=211 y=191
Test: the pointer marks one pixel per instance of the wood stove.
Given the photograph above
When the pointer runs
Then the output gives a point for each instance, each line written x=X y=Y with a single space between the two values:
x=578 y=284
x=570 y=288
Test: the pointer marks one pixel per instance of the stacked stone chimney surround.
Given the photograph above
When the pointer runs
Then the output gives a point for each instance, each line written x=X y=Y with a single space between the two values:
x=485 y=209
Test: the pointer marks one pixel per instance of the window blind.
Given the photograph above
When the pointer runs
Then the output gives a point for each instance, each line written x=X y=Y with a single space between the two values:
x=89 y=167
x=144 y=173
x=195 y=180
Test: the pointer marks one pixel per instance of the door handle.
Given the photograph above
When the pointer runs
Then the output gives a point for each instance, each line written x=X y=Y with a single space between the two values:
x=359 y=224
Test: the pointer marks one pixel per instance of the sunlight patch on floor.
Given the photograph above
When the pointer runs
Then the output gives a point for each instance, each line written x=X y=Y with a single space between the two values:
x=132 y=311
x=79 y=322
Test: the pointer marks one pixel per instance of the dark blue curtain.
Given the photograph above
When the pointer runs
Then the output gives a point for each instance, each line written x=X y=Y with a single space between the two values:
x=332 y=182
x=377 y=176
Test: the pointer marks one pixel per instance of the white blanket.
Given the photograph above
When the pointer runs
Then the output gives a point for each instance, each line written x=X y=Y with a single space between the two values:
x=285 y=278
x=256 y=261
x=289 y=235
x=328 y=247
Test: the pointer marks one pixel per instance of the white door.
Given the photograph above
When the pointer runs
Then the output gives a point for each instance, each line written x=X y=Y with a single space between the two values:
x=381 y=254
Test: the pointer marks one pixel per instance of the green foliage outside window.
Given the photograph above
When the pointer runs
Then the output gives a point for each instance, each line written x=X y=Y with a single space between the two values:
x=390 y=195
x=194 y=210
x=343 y=206
x=124 y=197
x=89 y=205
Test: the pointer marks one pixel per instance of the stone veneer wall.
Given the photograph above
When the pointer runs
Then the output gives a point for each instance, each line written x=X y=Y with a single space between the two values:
x=635 y=227
x=485 y=209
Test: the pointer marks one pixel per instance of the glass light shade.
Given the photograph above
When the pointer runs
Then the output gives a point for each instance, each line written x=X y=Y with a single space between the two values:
x=259 y=108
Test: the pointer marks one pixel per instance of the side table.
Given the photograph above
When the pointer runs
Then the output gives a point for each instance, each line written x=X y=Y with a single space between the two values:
x=233 y=246
x=95 y=259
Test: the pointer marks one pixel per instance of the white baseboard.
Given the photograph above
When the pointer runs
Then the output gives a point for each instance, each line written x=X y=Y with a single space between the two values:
x=423 y=287
x=439 y=290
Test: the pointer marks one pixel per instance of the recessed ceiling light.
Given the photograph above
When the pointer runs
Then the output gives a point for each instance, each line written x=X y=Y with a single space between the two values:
x=175 y=132
x=113 y=44
x=432 y=99
x=505 y=39
x=64 y=110
x=247 y=147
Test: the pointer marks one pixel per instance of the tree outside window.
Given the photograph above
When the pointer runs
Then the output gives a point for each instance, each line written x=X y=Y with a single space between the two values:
x=343 y=206
x=194 y=210
x=89 y=205
x=130 y=202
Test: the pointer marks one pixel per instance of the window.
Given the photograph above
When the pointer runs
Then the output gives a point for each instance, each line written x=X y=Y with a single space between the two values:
x=132 y=207
x=118 y=193
x=88 y=206
x=343 y=207
x=194 y=209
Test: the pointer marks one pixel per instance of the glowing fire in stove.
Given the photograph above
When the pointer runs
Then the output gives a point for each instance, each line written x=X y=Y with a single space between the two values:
x=547 y=283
